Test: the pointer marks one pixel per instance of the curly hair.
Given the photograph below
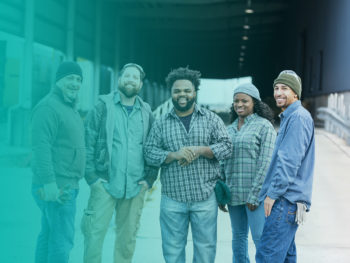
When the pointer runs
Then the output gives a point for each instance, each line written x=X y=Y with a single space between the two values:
x=183 y=73
x=260 y=108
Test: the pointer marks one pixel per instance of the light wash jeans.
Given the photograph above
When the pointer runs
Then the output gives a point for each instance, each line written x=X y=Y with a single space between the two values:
x=174 y=221
x=56 y=237
x=277 y=243
x=241 y=220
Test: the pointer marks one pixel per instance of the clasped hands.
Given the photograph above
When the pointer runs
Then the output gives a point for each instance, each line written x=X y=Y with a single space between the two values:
x=187 y=155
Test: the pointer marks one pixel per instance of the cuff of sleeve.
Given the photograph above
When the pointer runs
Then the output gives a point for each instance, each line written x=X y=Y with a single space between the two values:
x=91 y=177
x=216 y=151
x=151 y=175
x=253 y=200
x=162 y=160
x=47 y=179
x=272 y=195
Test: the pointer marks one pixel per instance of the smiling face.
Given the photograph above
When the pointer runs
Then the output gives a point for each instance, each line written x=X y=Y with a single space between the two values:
x=70 y=86
x=130 y=82
x=183 y=95
x=243 y=105
x=284 y=96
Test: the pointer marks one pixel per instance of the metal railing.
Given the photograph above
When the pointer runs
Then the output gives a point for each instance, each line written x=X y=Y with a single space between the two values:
x=334 y=123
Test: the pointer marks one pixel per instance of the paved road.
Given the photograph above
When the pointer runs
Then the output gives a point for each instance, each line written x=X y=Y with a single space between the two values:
x=324 y=238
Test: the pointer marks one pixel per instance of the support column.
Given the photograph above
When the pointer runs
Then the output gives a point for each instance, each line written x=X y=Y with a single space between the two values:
x=117 y=63
x=70 y=29
x=97 y=51
x=19 y=115
x=25 y=96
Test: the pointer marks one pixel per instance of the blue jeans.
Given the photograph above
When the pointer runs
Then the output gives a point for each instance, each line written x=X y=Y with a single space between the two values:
x=277 y=241
x=55 y=239
x=241 y=220
x=174 y=221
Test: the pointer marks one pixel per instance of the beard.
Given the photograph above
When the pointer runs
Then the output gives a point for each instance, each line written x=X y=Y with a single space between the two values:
x=69 y=94
x=130 y=91
x=183 y=108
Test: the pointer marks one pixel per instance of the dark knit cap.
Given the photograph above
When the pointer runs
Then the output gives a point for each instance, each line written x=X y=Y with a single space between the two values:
x=67 y=68
x=291 y=79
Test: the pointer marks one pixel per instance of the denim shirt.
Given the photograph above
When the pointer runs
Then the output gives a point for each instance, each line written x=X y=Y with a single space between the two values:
x=127 y=163
x=290 y=174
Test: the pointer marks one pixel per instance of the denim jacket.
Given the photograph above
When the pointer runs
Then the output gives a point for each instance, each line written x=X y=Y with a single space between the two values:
x=290 y=174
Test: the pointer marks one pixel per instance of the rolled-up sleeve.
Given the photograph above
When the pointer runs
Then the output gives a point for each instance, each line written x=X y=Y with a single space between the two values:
x=153 y=149
x=220 y=144
x=267 y=142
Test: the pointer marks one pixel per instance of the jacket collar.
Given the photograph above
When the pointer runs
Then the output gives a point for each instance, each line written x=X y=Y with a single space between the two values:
x=290 y=109
x=247 y=120
x=116 y=100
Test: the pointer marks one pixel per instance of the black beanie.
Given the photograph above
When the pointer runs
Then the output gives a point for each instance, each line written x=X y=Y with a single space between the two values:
x=67 y=68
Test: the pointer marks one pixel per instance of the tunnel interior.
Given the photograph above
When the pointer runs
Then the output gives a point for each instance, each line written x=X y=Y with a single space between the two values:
x=222 y=39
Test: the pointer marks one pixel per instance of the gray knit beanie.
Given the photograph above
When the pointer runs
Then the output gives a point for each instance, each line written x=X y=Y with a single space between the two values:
x=249 y=89
x=291 y=79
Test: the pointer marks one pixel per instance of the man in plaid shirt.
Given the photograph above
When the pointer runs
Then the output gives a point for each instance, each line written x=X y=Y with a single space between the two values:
x=188 y=144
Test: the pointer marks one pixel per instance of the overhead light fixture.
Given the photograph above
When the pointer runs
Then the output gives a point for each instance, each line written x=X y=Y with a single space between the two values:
x=241 y=59
x=243 y=47
x=247 y=27
x=242 y=54
x=245 y=38
x=249 y=9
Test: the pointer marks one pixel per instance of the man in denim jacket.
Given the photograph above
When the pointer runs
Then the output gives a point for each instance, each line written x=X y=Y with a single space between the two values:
x=287 y=189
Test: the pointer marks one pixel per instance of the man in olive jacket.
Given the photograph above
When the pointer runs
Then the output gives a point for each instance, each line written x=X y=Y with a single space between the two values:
x=116 y=130
x=58 y=163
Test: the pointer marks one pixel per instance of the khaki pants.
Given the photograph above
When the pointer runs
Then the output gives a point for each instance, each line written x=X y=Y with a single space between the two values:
x=96 y=220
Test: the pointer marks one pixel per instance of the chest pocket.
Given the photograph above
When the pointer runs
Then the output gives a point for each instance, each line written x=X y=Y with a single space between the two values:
x=135 y=131
x=246 y=143
x=201 y=134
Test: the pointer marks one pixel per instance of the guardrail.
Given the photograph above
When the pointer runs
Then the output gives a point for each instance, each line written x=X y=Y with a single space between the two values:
x=334 y=123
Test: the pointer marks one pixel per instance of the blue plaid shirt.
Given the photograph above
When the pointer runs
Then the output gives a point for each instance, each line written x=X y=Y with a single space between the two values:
x=252 y=150
x=196 y=181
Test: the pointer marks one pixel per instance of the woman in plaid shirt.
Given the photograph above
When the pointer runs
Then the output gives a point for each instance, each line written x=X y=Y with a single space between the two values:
x=253 y=138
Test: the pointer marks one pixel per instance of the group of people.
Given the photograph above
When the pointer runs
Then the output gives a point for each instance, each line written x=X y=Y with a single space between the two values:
x=119 y=149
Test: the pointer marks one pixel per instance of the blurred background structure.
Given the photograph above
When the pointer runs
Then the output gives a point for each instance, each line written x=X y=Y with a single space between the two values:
x=224 y=39
x=229 y=41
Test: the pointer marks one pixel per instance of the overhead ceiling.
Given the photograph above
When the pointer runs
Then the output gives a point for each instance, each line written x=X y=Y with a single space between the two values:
x=219 y=37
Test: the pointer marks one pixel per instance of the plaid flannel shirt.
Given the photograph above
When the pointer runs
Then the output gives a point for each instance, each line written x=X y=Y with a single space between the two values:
x=194 y=182
x=245 y=171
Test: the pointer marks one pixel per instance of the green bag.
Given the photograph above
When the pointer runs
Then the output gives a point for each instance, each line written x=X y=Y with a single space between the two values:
x=222 y=193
